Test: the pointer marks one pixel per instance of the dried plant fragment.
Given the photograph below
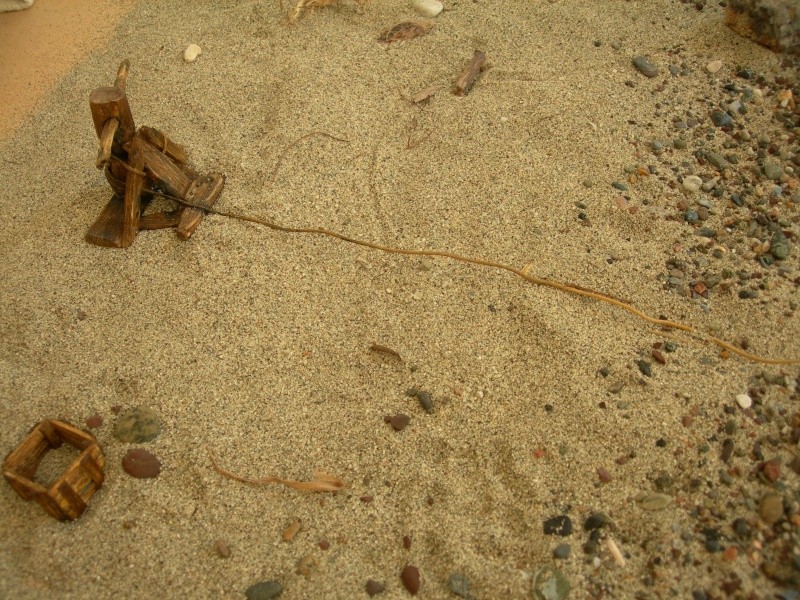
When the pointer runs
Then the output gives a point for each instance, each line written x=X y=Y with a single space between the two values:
x=306 y=4
x=407 y=30
x=291 y=531
x=385 y=350
x=322 y=482
x=424 y=94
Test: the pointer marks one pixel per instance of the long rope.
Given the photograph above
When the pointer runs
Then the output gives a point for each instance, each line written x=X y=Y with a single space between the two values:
x=542 y=281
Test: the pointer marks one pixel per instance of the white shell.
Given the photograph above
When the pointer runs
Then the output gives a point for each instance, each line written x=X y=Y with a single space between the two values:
x=692 y=183
x=427 y=8
x=744 y=401
x=714 y=66
x=192 y=52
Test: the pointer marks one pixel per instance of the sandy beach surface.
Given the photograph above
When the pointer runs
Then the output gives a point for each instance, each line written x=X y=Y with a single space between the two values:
x=563 y=427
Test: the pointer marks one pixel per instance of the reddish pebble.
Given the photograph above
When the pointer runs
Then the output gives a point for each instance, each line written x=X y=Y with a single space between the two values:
x=373 y=587
x=399 y=421
x=658 y=356
x=141 y=464
x=410 y=578
x=406 y=542
x=772 y=469
x=116 y=409
x=366 y=499
x=324 y=544
x=430 y=500
x=94 y=421
x=687 y=420
x=730 y=554
x=222 y=548
x=604 y=475
x=538 y=453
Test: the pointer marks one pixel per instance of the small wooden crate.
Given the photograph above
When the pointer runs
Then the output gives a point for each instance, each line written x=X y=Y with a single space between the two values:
x=68 y=496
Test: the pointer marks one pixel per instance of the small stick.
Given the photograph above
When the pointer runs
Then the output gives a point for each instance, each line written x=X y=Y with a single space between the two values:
x=615 y=553
x=385 y=350
x=467 y=77
x=323 y=482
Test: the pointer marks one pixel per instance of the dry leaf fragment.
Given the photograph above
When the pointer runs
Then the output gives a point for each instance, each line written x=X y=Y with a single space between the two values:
x=322 y=482
x=407 y=30
x=385 y=350
x=291 y=531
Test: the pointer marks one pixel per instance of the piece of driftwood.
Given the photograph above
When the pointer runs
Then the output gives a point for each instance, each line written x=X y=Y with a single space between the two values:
x=138 y=163
x=467 y=77
x=69 y=495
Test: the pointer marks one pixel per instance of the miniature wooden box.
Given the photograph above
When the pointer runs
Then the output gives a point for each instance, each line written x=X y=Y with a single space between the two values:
x=68 y=496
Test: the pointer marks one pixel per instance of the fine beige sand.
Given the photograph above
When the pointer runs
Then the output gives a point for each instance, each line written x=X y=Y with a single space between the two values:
x=257 y=344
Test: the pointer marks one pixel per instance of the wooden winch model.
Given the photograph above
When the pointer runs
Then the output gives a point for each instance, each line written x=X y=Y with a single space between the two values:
x=138 y=163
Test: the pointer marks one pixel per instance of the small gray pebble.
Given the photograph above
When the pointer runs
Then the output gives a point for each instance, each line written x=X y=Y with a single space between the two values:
x=264 y=590
x=645 y=66
x=562 y=551
x=459 y=585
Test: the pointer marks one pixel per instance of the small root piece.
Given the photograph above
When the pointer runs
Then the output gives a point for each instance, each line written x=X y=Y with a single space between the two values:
x=322 y=482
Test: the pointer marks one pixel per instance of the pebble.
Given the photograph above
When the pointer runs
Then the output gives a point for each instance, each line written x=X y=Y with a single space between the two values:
x=620 y=186
x=645 y=368
x=692 y=183
x=459 y=585
x=374 y=587
x=714 y=66
x=141 y=464
x=137 y=425
x=94 y=421
x=191 y=53
x=427 y=8
x=771 y=508
x=773 y=171
x=744 y=401
x=550 y=584
x=398 y=421
x=721 y=119
x=647 y=68
x=654 y=501
x=559 y=525
x=410 y=578
x=596 y=521
x=426 y=401
x=264 y=590
x=779 y=246
x=717 y=160
x=562 y=551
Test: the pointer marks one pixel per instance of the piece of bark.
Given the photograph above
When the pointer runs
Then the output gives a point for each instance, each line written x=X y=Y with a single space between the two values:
x=467 y=77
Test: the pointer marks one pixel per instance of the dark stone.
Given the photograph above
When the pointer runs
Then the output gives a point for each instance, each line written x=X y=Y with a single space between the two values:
x=596 y=521
x=264 y=590
x=559 y=525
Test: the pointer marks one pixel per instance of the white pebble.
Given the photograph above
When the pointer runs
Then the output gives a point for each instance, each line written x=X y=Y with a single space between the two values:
x=714 y=66
x=692 y=183
x=427 y=8
x=192 y=52
x=744 y=401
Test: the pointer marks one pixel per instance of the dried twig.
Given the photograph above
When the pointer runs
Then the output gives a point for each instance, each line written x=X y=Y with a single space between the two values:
x=467 y=77
x=323 y=482
x=385 y=350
